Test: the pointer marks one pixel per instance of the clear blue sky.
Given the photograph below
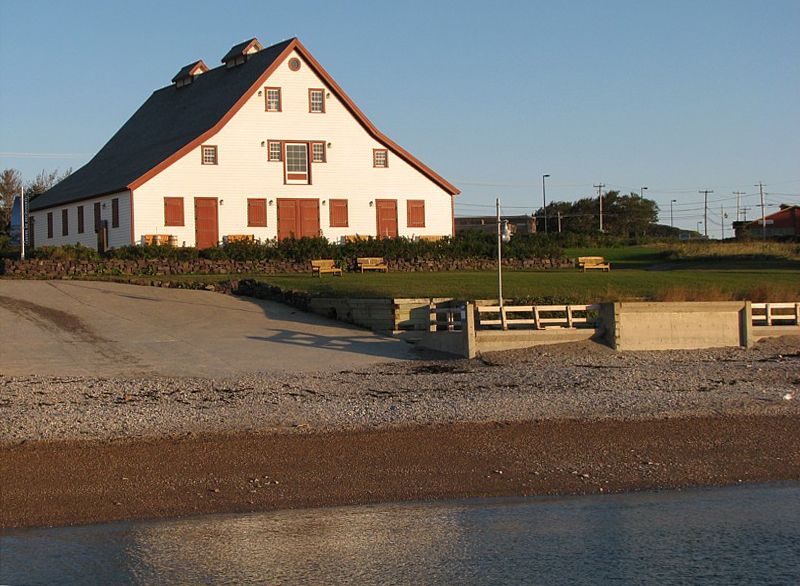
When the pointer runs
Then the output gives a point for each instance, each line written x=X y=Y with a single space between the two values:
x=676 y=96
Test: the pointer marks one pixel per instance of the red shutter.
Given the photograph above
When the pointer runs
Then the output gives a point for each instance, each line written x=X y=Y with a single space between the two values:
x=115 y=213
x=65 y=222
x=257 y=213
x=80 y=220
x=173 y=211
x=416 y=213
x=97 y=217
x=49 y=224
x=338 y=211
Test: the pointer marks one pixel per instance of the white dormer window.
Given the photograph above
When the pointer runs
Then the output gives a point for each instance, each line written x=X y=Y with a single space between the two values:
x=316 y=101
x=209 y=155
x=273 y=99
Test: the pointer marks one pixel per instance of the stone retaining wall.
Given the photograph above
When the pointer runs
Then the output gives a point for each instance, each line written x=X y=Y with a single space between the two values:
x=54 y=269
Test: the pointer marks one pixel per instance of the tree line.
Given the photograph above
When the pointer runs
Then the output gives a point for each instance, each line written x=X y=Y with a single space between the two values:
x=10 y=184
x=625 y=216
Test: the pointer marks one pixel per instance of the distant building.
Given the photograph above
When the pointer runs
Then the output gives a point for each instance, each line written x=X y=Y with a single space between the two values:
x=488 y=224
x=784 y=222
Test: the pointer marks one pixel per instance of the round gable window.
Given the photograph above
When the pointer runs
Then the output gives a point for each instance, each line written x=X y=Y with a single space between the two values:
x=294 y=64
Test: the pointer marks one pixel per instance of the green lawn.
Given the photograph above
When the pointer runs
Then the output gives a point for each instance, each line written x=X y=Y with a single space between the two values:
x=637 y=272
x=557 y=286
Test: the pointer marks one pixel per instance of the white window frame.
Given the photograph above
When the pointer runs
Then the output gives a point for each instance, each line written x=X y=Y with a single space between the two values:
x=277 y=101
x=205 y=150
x=292 y=176
x=316 y=106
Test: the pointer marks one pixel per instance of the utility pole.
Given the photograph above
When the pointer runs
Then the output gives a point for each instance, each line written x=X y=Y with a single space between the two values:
x=559 y=221
x=738 y=195
x=722 y=219
x=600 y=197
x=705 y=193
x=745 y=209
x=21 y=223
x=763 y=212
x=671 y=216
x=500 y=267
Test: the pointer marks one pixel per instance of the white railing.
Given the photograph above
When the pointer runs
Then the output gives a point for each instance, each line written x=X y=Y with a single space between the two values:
x=447 y=319
x=538 y=317
x=775 y=314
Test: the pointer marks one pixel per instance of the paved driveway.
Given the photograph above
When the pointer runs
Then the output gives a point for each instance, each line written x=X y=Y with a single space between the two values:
x=93 y=328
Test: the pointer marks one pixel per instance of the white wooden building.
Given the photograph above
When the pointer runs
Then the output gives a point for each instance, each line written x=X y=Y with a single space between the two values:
x=266 y=145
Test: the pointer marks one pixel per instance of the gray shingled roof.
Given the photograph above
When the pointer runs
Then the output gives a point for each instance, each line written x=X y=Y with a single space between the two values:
x=169 y=120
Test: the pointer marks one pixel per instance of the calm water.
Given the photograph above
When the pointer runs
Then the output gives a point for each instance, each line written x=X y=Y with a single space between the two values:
x=726 y=537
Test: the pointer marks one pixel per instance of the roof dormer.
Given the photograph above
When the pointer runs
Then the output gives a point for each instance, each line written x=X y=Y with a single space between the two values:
x=241 y=52
x=187 y=74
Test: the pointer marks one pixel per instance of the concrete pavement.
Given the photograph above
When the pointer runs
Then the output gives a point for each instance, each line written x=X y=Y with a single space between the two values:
x=66 y=328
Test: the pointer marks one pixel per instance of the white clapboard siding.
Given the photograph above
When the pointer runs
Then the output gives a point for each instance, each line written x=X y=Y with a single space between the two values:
x=117 y=237
x=243 y=170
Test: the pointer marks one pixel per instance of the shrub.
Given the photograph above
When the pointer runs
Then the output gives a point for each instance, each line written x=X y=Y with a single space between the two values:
x=65 y=253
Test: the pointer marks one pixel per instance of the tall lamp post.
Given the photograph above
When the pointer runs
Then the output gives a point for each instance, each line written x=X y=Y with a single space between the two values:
x=641 y=192
x=544 y=203
x=671 y=218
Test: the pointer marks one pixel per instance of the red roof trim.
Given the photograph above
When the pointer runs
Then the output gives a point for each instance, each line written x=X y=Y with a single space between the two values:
x=368 y=126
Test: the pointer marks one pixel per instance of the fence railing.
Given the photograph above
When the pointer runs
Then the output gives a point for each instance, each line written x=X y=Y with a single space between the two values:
x=538 y=317
x=447 y=319
x=775 y=314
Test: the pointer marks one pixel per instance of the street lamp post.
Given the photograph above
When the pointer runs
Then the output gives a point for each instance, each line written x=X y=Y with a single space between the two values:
x=641 y=192
x=699 y=223
x=544 y=203
x=671 y=218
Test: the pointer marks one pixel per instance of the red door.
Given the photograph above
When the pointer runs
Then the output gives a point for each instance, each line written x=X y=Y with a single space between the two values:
x=309 y=217
x=287 y=218
x=298 y=218
x=206 y=222
x=386 y=210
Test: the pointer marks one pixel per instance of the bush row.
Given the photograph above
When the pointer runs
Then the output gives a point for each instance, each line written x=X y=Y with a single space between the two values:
x=463 y=246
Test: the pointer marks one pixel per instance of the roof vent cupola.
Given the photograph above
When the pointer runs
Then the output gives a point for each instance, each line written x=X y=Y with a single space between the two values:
x=241 y=53
x=188 y=73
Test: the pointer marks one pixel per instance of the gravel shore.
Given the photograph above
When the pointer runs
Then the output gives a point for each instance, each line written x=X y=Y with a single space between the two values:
x=582 y=380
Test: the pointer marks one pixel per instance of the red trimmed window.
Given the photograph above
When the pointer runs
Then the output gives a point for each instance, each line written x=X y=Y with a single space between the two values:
x=49 y=224
x=415 y=209
x=316 y=101
x=209 y=154
x=173 y=211
x=257 y=213
x=65 y=222
x=274 y=151
x=273 y=98
x=115 y=212
x=318 y=154
x=380 y=158
x=80 y=220
x=338 y=211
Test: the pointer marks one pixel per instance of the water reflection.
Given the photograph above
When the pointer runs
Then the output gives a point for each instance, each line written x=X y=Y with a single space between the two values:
x=716 y=537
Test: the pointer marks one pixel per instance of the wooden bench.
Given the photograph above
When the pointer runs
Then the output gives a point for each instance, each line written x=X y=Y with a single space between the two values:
x=593 y=262
x=324 y=266
x=431 y=238
x=372 y=263
x=230 y=238
x=156 y=239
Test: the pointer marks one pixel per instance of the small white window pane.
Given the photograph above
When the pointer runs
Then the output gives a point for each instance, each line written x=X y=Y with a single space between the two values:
x=274 y=151
x=318 y=152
